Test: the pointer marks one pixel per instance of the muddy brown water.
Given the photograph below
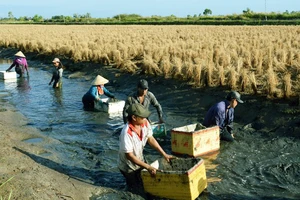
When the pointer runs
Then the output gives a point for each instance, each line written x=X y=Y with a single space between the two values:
x=255 y=166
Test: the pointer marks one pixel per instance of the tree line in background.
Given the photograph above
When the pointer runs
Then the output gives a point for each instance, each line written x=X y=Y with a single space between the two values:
x=248 y=17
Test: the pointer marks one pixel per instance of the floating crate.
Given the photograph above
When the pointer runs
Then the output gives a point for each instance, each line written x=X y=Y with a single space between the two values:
x=110 y=106
x=159 y=130
x=195 y=140
x=182 y=178
x=8 y=75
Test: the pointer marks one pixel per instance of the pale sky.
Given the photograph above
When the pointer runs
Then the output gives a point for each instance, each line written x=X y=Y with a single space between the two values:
x=145 y=8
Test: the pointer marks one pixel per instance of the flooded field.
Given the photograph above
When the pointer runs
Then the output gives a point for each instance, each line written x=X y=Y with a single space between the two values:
x=255 y=166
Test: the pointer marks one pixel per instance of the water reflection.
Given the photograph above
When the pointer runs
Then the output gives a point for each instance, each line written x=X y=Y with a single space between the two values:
x=57 y=94
x=10 y=84
x=23 y=84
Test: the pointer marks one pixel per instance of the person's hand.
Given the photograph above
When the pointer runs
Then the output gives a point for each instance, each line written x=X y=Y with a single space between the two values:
x=232 y=135
x=168 y=157
x=152 y=170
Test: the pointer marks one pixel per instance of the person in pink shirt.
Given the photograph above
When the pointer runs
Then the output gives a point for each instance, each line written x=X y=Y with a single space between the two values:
x=20 y=64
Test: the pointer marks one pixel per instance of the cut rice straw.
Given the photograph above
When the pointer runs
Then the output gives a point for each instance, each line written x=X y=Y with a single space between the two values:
x=6 y=181
x=10 y=194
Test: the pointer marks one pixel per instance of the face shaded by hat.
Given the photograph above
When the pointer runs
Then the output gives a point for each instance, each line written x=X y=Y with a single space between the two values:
x=234 y=95
x=143 y=84
x=56 y=60
x=99 y=80
x=138 y=110
x=20 y=54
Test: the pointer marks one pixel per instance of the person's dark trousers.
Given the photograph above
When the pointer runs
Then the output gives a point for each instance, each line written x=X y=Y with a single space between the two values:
x=88 y=104
x=134 y=182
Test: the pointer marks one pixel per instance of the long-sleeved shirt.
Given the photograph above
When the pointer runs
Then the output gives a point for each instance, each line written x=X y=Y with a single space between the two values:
x=92 y=94
x=19 y=62
x=220 y=115
x=149 y=99
x=57 y=77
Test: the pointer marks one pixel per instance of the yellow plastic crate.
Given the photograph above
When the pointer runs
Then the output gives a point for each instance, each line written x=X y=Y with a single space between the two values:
x=188 y=140
x=182 y=178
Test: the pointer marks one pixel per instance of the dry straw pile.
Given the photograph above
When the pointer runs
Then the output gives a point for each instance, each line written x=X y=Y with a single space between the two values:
x=251 y=59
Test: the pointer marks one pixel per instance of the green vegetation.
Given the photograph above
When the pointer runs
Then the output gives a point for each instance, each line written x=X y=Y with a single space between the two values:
x=248 y=17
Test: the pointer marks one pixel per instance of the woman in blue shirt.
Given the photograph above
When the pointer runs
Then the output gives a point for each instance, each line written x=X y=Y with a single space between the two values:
x=96 y=90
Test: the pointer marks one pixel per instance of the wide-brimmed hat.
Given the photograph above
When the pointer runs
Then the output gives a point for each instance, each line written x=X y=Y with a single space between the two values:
x=138 y=110
x=99 y=80
x=234 y=95
x=20 y=54
x=143 y=84
x=56 y=60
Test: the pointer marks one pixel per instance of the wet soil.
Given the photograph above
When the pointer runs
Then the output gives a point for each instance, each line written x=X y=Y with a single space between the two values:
x=34 y=181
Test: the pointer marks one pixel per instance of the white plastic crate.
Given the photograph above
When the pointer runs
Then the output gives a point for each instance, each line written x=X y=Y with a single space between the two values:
x=8 y=75
x=109 y=106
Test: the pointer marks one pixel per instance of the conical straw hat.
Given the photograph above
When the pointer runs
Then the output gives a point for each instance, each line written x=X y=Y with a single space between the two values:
x=20 y=54
x=99 y=80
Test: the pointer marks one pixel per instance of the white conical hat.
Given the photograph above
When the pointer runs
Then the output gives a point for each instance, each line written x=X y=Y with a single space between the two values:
x=20 y=54
x=99 y=80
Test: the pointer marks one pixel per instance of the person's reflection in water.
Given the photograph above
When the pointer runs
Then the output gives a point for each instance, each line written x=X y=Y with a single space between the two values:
x=23 y=84
x=57 y=96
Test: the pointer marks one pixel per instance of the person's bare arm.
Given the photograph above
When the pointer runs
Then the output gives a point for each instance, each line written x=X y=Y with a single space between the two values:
x=154 y=144
x=130 y=156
